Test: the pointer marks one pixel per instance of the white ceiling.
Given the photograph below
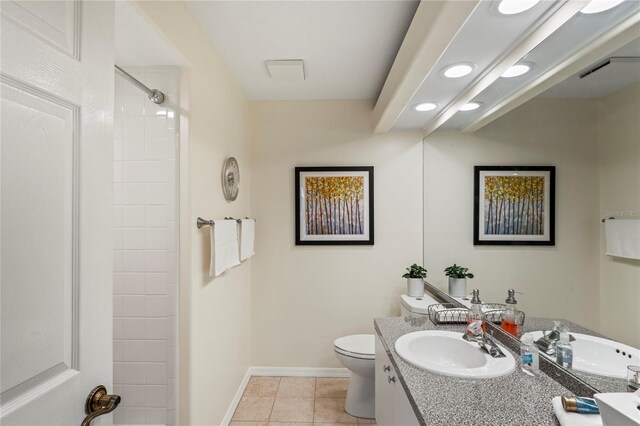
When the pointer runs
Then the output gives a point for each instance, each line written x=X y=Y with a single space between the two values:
x=348 y=47
x=137 y=43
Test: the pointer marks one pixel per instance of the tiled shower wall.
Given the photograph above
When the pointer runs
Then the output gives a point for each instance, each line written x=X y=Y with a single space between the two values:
x=145 y=208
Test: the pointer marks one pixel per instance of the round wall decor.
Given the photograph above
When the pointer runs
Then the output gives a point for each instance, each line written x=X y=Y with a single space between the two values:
x=230 y=178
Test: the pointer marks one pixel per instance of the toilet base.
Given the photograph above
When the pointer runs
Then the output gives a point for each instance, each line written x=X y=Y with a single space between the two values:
x=361 y=397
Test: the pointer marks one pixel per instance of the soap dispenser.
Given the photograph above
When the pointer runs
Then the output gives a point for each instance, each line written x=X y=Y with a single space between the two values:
x=529 y=355
x=509 y=320
x=564 y=350
x=475 y=313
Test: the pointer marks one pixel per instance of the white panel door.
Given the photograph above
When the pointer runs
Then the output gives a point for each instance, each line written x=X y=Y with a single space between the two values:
x=56 y=76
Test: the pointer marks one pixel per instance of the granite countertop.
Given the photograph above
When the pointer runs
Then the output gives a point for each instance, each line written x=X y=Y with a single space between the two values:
x=514 y=399
x=580 y=383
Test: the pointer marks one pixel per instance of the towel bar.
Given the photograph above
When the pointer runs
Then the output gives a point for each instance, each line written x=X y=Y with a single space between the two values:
x=202 y=222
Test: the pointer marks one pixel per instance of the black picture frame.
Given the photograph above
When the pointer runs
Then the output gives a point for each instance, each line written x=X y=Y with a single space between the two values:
x=364 y=235
x=498 y=238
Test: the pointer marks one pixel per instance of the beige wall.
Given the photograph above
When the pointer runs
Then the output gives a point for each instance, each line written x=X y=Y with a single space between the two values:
x=560 y=281
x=619 y=148
x=305 y=297
x=214 y=313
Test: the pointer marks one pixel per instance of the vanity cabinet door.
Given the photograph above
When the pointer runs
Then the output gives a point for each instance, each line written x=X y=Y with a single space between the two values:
x=384 y=389
x=402 y=410
x=392 y=405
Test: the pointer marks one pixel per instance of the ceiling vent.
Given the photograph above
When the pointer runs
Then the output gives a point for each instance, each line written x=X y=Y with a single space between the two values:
x=615 y=67
x=286 y=70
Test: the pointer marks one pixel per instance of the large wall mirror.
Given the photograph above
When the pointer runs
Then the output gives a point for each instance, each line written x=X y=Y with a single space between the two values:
x=587 y=125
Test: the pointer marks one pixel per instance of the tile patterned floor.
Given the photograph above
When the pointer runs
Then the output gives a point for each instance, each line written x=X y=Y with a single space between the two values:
x=295 y=401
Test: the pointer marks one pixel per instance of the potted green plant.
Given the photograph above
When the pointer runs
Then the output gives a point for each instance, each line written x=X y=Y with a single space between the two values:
x=458 y=280
x=415 y=276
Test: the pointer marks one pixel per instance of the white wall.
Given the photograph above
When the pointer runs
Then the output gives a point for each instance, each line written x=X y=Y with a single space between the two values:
x=303 y=298
x=619 y=149
x=214 y=313
x=145 y=262
x=558 y=281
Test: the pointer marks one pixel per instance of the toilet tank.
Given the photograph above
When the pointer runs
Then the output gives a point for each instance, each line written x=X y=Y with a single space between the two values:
x=404 y=312
x=415 y=306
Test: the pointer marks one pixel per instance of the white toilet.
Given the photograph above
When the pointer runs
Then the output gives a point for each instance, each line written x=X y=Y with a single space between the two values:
x=357 y=353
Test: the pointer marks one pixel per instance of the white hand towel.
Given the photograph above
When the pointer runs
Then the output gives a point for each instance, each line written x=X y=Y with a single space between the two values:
x=574 y=419
x=224 y=246
x=247 y=238
x=623 y=238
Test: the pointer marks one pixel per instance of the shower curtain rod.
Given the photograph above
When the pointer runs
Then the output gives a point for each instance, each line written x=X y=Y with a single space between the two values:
x=154 y=95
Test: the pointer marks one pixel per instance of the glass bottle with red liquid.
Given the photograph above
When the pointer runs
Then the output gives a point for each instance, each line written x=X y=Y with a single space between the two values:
x=509 y=319
x=475 y=312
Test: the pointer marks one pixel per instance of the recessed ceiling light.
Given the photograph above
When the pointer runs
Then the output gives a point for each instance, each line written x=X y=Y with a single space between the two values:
x=511 y=7
x=597 y=6
x=470 y=106
x=427 y=106
x=457 y=70
x=516 y=70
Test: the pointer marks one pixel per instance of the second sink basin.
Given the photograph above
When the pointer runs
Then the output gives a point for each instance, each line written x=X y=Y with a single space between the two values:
x=602 y=357
x=447 y=353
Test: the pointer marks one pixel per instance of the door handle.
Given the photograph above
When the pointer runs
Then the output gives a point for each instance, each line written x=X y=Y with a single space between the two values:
x=99 y=403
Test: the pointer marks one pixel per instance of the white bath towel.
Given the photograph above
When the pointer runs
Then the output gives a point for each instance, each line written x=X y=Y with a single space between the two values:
x=574 y=419
x=623 y=238
x=247 y=238
x=224 y=246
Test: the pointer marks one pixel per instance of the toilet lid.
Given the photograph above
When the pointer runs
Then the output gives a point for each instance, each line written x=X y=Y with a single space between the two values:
x=357 y=345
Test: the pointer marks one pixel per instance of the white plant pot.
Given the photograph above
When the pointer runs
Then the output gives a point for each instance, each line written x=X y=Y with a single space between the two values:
x=457 y=287
x=415 y=287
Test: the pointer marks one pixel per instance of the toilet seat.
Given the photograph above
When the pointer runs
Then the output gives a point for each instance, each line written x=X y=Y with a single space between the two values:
x=361 y=346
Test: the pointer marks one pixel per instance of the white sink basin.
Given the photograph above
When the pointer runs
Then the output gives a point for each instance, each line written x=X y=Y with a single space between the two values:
x=447 y=353
x=619 y=409
x=602 y=357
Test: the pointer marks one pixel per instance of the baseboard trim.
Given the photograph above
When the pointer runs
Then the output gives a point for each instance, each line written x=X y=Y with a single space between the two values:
x=299 y=372
x=279 y=371
x=236 y=399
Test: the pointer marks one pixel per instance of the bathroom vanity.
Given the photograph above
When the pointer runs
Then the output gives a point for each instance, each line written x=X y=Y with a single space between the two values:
x=408 y=395
x=420 y=397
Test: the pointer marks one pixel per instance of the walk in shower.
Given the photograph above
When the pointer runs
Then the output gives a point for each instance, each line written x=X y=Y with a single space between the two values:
x=145 y=206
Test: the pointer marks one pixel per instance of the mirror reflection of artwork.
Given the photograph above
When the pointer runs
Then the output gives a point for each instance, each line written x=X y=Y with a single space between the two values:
x=334 y=205
x=514 y=205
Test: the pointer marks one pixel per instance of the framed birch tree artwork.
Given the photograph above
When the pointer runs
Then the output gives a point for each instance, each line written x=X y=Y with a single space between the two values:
x=334 y=205
x=514 y=205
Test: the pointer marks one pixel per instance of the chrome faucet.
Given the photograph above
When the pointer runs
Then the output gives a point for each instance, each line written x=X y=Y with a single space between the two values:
x=547 y=343
x=474 y=333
